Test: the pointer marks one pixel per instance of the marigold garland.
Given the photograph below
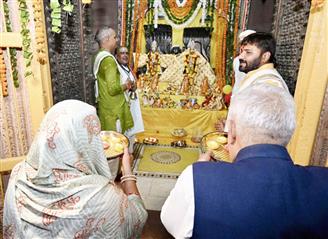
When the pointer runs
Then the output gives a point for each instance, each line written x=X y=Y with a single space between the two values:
x=226 y=11
x=176 y=14
x=179 y=12
x=143 y=7
x=3 y=78
x=123 y=32
x=221 y=19
x=40 y=34
x=218 y=47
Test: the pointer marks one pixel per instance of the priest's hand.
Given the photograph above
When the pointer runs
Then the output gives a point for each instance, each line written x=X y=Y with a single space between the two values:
x=128 y=84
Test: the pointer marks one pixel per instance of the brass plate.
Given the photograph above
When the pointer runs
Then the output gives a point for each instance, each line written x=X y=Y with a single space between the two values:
x=113 y=138
x=219 y=154
x=150 y=140
x=179 y=133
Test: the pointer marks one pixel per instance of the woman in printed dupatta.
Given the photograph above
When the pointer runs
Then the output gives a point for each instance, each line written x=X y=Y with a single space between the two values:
x=64 y=188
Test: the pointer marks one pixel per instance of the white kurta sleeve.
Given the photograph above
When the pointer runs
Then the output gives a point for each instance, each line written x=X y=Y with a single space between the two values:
x=178 y=211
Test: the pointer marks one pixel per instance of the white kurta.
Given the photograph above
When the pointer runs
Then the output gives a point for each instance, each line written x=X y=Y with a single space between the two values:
x=178 y=211
x=266 y=74
x=134 y=104
x=239 y=76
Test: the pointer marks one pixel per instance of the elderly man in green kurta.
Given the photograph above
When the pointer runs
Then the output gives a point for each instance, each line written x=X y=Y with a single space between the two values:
x=113 y=109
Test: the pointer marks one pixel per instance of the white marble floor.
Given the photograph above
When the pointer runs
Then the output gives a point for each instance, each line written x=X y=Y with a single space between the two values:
x=154 y=191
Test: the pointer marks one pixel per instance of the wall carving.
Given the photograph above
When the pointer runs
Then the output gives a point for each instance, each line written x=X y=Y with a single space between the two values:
x=70 y=55
x=289 y=28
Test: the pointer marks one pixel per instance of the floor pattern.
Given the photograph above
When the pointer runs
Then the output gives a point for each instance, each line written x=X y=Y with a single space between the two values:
x=163 y=161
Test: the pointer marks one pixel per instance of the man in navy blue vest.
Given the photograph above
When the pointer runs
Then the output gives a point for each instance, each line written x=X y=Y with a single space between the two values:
x=262 y=194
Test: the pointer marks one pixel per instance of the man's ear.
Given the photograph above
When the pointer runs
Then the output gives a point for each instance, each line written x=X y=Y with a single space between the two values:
x=231 y=132
x=265 y=57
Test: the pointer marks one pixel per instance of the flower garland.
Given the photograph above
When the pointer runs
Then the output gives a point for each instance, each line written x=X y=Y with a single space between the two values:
x=129 y=23
x=25 y=32
x=226 y=13
x=135 y=13
x=143 y=7
x=230 y=41
x=56 y=13
x=221 y=18
x=181 y=4
x=178 y=13
x=176 y=24
x=123 y=31
x=3 y=78
x=40 y=40
x=210 y=15
x=12 y=51
x=204 y=12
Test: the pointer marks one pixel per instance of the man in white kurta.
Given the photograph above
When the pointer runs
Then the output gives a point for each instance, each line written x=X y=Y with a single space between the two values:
x=122 y=56
x=257 y=61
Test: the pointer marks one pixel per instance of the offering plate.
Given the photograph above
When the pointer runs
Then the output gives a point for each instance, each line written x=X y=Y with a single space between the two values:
x=150 y=140
x=113 y=143
x=215 y=142
x=179 y=133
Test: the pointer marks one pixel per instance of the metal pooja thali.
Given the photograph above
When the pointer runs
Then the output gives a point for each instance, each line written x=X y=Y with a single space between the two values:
x=215 y=142
x=114 y=143
x=179 y=133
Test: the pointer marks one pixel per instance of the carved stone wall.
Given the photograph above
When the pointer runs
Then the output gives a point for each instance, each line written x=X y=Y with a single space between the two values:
x=260 y=16
x=289 y=28
x=70 y=55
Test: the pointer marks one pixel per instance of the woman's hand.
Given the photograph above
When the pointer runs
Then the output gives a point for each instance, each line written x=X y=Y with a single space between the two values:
x=126 y=163
x=128 y=180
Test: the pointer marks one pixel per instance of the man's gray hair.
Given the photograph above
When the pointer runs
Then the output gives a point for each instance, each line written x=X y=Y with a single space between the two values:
x=102 y=33
x=264 y=114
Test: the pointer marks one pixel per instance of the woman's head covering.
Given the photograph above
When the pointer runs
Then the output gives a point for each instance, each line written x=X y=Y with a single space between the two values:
x=68 y=142
x=65 y=182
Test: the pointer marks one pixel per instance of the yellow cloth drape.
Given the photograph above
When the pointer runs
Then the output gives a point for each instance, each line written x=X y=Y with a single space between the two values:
x=160 y=123
x=311 y=84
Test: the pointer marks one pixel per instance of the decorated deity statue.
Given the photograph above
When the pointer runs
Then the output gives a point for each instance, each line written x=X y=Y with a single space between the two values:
x=153 y=61
x=140 y=81
x=190 y=64
x=185 y=87
x=154 y=83
x=145 y=101
x=204 y=87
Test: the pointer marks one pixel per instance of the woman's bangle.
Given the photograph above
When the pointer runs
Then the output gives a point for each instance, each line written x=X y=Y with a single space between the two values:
x=128 y=176
x=135 y=193
x=128 y=179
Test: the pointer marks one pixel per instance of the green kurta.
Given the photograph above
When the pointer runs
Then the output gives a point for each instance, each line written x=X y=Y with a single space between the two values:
x=111 y=102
